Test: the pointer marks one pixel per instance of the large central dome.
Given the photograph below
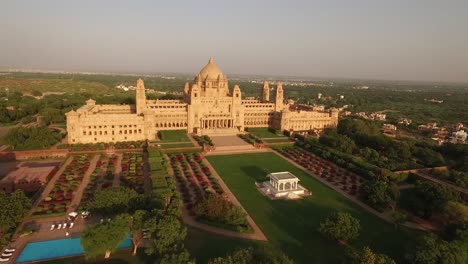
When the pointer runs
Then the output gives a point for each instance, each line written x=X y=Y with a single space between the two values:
x=210 y=71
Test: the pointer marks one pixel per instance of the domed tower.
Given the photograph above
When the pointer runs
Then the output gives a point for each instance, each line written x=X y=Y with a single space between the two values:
x=212 y=81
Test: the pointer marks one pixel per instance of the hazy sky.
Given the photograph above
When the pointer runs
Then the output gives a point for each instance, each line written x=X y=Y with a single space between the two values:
x=378 y=39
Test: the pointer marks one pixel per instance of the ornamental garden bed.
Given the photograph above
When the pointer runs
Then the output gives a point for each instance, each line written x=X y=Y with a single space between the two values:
x=338 y=177
x=101 y=178
x=132 y=171
x=193 y=177
x=203 y=140
x=60 y=197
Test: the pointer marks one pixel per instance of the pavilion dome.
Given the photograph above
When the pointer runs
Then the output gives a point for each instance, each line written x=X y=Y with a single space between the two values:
x=211 y=71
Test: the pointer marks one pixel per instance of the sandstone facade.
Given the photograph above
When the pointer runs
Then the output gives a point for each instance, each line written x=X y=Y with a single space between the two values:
x=208 y=107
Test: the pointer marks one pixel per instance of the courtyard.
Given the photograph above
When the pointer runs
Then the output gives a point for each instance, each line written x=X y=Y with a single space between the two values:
x=292 y=225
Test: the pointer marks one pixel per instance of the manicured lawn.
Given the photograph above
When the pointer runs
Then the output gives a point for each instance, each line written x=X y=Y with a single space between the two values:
x=174 y=136
x=203 y=245
x=176 y=145
x=262 y=132
x=276 y=140
x=292 y=225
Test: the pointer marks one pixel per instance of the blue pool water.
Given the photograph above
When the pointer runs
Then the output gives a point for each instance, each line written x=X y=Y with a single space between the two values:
x=59 y=248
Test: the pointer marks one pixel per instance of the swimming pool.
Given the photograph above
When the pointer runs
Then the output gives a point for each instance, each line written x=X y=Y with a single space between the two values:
x=58 y=248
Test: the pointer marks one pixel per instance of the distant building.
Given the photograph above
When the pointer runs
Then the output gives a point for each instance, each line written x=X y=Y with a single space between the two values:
x=404 y=121
x=208 y=107
x=459 y=137
x=28 y=179
x=458 y=126
x=389 y=128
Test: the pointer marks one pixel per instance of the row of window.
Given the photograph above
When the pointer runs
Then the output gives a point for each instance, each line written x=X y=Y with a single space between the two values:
x=105 y=126
x=121 y=132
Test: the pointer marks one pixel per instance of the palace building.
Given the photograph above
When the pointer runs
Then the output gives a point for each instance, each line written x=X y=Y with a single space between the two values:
x=208 y=107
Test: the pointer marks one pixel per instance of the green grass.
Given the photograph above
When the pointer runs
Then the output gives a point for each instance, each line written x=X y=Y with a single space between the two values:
x=174 y=136
x=176 y=145
x=119 y=257
x=277 y=140
x=203 y=245
x=292 y=225
x=262 y=132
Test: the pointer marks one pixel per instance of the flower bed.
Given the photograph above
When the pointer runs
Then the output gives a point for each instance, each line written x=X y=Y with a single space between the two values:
x=101 y=178
x=59 y=199
x=193 y=177
x=132 y=171
x=202 y=140
x=339 y=177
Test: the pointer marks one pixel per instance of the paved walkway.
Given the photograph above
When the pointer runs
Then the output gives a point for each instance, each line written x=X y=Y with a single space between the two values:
x=257 y=234
x=75 y=202
x=444 y=183
x=222 y=141
x=189 y=220
x=117 y=170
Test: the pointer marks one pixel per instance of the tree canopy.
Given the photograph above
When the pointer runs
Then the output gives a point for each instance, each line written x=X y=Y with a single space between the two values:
x=251 y=255
x=104 y=238
x=367 y=256
x=340 y=226
x=13 y=207
x=113 y=201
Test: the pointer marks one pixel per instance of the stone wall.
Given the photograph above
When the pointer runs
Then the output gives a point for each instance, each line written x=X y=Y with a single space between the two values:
x=30 y=154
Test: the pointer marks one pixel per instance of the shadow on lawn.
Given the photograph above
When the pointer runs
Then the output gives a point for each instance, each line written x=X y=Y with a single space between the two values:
x=257 y=173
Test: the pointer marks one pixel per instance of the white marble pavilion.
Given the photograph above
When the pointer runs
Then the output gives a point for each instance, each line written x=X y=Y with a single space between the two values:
x=283 y=185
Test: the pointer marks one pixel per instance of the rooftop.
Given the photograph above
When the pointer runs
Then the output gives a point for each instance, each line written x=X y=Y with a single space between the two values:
x=29 y=174
x=286 y=175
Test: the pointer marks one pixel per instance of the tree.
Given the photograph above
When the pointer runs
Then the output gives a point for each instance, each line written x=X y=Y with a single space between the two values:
x=167 y=234
x=429 y=249
x=455 y=212
x=399 y=218
x=378 y=193
x=428 y=198
x=113 y=201
x=340 y=226
x=13 y=207
x=182 y=257
x=250 y=255
x=104 y=238
x=31 y=137
x=367 y=256
x=136 y=224
x=215 y=207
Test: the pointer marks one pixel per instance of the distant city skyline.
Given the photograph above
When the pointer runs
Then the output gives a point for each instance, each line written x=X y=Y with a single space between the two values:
x=363 y=39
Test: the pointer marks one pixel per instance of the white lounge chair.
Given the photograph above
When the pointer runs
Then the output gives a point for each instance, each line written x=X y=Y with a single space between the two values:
x=64 y=225
x=7 y=255
x=4 y=259
x=72 y=224
x=52 y=227
x=102 y=220
x=59 y=226
x=10 y=250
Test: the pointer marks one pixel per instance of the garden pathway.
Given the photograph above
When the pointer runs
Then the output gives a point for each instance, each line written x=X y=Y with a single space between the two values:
x=117 y=170
x=257 y=232
x=384 y=216
x=75 y=202
x=48 y=188
x=444 y=183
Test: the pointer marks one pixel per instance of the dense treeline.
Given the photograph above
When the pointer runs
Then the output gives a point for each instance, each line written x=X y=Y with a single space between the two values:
x=13 y=208
x=26 y=138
